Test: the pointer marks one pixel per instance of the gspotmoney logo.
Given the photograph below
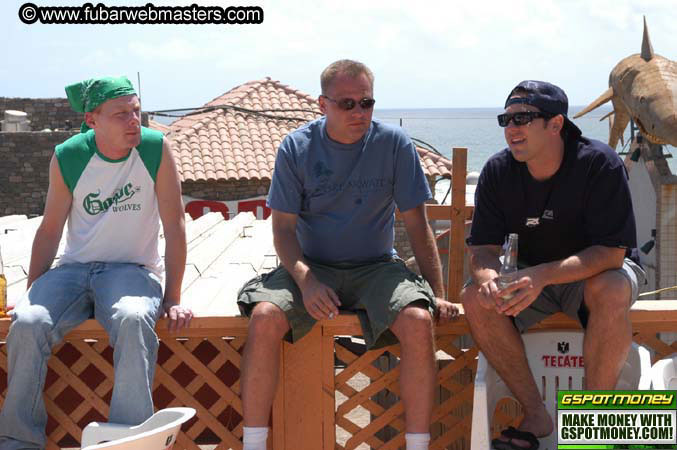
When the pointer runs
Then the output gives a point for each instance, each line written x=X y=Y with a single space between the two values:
x=93 y=205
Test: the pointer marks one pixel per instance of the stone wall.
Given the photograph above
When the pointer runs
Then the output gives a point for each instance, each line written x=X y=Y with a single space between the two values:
x=24 y=170
x=225 y=190
x=402 y=245
x=52 y=113
x=24 y=175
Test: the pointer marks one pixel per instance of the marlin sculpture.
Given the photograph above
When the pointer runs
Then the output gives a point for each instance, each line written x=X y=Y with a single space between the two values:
x=642 y=87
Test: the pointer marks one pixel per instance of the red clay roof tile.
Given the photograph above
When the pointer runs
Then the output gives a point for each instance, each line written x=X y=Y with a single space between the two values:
x=227 y=143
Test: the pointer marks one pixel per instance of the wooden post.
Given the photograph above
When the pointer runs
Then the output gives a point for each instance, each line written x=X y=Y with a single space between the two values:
x=328 y=394
x=303 y=399
x=456 y=244
x=278 y=431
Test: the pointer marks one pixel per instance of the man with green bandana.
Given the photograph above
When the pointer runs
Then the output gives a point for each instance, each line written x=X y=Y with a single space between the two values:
x=114 y=182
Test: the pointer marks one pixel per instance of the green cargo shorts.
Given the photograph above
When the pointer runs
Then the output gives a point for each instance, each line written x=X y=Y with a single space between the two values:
x=376 y=292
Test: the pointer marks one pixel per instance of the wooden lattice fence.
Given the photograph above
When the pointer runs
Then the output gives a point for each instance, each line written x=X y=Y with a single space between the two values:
x=333 y=395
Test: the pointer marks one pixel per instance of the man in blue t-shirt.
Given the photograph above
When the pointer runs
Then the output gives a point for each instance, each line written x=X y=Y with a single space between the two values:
x=568 y=199
x=336 y=184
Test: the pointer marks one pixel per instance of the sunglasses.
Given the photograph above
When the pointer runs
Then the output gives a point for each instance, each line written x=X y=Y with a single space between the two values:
x=347 y=104
x=521 y=118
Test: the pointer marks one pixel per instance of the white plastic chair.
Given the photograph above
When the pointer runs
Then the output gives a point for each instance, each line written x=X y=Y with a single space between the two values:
x=489 y=388
x=663 y=374
x=157 y=433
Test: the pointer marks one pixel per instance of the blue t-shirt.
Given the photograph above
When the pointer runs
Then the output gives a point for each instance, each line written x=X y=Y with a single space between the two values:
x=586 y=202
x=345 y=195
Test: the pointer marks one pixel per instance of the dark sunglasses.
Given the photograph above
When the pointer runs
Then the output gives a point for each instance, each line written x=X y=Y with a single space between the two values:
x=521 y=118
x=347 y=104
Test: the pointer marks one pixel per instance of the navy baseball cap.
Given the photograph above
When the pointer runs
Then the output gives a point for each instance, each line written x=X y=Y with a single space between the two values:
x=545 y=96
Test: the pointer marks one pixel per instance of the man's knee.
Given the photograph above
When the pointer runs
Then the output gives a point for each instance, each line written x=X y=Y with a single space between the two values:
x=268 y=321
x=29 y=322
x=471 y=303
x=413 y=323
x=608 y=291
x=134 y=311
x=468 y=296
x=133 y=318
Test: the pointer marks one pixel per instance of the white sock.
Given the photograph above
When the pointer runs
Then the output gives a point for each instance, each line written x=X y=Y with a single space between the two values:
x=417 y=441
x=254 y=438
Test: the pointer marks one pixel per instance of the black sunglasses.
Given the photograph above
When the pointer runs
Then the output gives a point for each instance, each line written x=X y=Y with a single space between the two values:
x=347 y=104
x=521 y=118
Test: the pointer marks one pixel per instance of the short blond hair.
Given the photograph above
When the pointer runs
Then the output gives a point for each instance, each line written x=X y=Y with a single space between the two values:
x=344 y=67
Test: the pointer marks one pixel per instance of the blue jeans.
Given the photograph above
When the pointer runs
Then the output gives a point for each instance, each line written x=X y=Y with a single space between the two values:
x=125 y=299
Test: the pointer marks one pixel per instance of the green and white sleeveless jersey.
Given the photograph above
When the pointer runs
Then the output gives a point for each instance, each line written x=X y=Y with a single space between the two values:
x=114 y=216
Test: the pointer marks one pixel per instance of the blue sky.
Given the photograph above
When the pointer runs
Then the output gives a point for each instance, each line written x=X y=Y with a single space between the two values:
x=443 y=54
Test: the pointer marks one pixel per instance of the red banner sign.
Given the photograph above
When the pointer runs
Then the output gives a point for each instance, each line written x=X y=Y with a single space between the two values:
x=197 y=207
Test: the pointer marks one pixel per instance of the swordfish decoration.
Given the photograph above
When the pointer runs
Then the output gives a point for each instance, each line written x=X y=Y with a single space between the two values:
x=642 y=87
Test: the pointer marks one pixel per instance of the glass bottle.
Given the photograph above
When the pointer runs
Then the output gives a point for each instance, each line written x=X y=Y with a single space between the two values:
x=507 y=274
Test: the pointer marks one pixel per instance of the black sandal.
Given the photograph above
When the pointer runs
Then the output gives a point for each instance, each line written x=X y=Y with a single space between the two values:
x=513 y=433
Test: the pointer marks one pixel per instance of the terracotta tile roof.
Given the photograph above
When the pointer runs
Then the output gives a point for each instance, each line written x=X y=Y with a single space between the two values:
x=434 y=164
x=235 y=136
x=154 y=125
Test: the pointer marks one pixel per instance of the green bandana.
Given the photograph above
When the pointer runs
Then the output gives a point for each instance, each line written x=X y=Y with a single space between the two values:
x=87 y=95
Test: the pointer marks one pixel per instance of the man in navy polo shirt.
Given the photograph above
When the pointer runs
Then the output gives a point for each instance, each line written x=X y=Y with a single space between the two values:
x=568 y=199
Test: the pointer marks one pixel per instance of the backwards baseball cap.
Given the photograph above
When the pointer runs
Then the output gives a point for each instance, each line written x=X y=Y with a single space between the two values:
x=545 y=96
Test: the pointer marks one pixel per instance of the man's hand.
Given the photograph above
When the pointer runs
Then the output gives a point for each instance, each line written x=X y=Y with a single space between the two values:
x=179 y=317
x=445 y=310
x=524 y=291
x=488 y=295
x=320 y=300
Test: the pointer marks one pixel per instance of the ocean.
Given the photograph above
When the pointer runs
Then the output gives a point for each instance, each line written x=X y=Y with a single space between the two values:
x=477 y=129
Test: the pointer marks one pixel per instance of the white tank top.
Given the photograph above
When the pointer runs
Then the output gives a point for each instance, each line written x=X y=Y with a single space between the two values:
x=114 y=216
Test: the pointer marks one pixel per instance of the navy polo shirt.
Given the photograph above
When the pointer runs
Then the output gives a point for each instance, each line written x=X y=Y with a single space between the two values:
x=587 y=202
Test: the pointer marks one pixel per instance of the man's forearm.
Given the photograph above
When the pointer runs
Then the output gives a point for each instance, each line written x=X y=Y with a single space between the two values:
x=45 y=246
x=584 y=264
x=175 y=263
x=484 y=263
x=291 y=256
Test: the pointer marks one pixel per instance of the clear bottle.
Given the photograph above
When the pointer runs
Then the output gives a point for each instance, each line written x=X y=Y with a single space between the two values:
x=507 y=274
x=3 y=290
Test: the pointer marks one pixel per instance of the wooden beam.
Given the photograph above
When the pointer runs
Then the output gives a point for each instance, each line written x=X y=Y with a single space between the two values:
x=328 y=394
x=444 y=212
x=456 y=239
x=303 y=399
x=440 y=212
x=658 y=314
x=199 y=327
